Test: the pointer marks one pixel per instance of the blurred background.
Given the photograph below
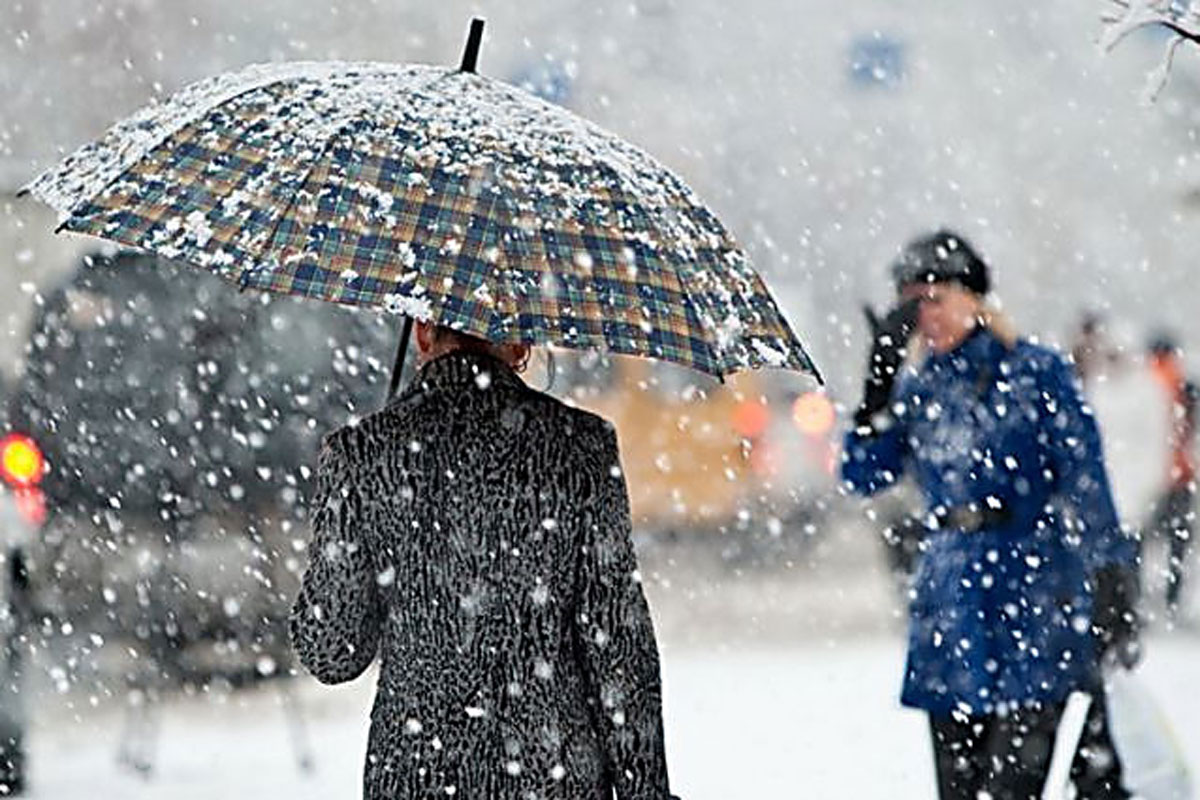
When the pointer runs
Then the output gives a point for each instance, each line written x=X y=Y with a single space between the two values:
x=147 y=576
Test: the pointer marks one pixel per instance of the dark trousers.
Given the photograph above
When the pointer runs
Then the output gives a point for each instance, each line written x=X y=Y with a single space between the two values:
x=1009 y=757
x=1173 y=520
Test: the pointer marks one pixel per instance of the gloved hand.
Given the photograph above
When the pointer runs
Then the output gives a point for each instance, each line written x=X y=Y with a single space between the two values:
x=889 y=345
x=1114 y=615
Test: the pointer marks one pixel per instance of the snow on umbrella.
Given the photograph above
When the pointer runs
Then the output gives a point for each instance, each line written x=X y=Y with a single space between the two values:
x=435 y=193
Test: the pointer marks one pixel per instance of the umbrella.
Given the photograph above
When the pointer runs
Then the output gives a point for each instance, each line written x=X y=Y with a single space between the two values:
x=435 y=193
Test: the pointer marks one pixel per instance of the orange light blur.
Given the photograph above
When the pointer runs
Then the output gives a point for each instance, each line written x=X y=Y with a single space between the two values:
x=21 y=461
x=750 y=419
x=813 y=413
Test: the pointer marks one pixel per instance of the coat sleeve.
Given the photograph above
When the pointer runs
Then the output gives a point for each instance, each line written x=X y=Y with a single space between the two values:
x=616 y=637
x=873 y=460
x=1077 y=462
x=335 y=622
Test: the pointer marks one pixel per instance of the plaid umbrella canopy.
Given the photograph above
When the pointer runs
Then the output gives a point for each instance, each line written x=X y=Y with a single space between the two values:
x=435 y=193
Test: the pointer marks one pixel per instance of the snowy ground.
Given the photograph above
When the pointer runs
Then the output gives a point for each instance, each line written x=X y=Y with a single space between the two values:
x=778 y=684
x=814 y=721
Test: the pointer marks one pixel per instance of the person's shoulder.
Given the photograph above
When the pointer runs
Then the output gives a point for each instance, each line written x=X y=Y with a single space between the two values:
x=1044 y=370
x=594 y=427
x=1037 y=353
x=595 y=438
x=344 y=442
x=573 y=420
x=586 y=429
x=1035 y=358
x=400 y=412
x=358 y=437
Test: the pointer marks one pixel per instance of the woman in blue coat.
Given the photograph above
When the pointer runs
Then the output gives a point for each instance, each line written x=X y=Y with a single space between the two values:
x=1027 y=580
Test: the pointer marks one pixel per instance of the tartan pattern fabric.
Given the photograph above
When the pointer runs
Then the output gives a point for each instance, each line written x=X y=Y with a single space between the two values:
x=432 y=193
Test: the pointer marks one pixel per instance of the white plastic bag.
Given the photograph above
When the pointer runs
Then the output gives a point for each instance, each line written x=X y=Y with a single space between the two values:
x=1152 y=760
x=1066 y=742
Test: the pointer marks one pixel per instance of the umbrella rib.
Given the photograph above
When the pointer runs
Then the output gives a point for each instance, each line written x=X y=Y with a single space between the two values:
x=342 y=128
x=171 y=132
x=299 y=186
x=717 y=359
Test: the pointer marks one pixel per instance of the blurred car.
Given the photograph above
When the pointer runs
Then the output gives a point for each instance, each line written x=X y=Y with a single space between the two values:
x=177 y=420
x=750 y=460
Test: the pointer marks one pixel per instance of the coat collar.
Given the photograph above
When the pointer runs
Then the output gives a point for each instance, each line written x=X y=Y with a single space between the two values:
x=980 y=345
x=466 y=369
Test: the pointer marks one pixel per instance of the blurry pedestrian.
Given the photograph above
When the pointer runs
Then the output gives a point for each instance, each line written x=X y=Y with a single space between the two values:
x=476 y=534
x=1027 y=580
x=1093 y=355
x=1174 y=510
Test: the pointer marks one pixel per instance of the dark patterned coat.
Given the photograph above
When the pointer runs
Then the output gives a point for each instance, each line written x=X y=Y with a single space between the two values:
x=475 y=534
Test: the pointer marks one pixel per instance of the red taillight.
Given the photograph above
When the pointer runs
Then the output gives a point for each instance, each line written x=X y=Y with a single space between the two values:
x=750 y=419
x=21 y=462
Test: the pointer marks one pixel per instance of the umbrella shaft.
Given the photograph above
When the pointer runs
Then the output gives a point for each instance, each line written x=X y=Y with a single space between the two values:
x=474 y=40
x=401 y=351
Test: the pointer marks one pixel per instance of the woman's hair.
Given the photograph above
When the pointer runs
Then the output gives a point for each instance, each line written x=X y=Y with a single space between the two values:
x=474 y=344
x=464 y=341
x=1000 y=324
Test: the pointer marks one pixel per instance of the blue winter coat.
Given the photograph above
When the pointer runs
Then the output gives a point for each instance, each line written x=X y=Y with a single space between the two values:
x=1000 y=615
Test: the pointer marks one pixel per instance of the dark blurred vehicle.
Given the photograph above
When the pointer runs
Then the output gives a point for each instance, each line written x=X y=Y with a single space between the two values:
x=178 y=419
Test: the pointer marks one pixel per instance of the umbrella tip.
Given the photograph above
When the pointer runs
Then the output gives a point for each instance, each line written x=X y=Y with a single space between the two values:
x=471 y=53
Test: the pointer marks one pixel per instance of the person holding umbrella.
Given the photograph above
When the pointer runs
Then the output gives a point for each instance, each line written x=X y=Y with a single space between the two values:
x=476 y=533
x=1027 y=583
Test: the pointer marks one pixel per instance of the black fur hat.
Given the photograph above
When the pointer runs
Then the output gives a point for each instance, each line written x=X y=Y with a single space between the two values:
x=939 y=258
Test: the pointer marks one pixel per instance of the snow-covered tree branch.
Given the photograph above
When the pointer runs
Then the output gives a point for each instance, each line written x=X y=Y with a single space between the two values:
x=1180 y=17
